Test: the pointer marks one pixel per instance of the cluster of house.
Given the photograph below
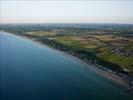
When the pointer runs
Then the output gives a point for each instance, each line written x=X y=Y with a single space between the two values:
x=121 y=51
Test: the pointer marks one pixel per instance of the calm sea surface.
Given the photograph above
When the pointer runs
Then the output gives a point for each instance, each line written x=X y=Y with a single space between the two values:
x=29 y=71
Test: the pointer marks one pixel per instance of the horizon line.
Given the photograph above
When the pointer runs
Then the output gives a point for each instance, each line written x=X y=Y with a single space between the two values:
x=65 y=23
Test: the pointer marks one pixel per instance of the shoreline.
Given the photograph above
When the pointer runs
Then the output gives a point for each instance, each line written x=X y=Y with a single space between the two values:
x=111 y=76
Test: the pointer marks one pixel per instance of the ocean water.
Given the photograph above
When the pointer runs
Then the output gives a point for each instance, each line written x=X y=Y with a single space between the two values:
x=29 y=71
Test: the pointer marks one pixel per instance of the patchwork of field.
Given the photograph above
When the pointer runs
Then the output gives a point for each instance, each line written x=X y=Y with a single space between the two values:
x=78 y=42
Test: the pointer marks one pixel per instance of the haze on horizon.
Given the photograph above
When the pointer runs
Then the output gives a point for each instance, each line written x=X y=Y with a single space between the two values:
x=66 y=11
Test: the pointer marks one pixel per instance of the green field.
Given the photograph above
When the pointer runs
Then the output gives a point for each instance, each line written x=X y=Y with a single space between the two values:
x=125 y=62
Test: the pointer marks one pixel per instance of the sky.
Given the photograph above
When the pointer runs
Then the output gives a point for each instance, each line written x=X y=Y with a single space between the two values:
x=66 y=11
